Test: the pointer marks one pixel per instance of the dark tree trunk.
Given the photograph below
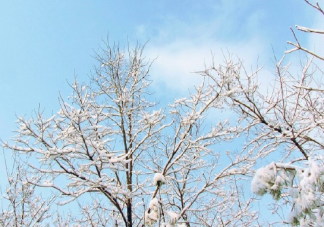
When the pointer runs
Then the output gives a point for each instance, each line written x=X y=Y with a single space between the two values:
x=129 y=213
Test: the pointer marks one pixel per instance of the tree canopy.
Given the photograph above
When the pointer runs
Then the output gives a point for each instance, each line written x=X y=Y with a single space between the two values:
x=139 y=163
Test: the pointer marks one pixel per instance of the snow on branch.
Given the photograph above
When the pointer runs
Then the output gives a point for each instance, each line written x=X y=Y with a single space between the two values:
x=304 y=29
x=305 y=186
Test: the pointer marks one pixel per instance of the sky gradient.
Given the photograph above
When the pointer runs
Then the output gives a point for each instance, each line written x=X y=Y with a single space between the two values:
x=43 y=45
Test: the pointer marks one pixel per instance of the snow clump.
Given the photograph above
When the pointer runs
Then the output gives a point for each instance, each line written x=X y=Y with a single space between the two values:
x=304 y=185
x=152 y=214
x=266 y=180
x=158 y=179
x=173 y=217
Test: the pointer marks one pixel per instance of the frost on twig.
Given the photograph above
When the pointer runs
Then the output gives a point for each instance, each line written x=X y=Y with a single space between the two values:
x=25 y=206
x=304 y=29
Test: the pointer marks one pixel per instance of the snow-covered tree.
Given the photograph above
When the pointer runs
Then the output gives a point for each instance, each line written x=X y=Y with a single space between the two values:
x=109 y=140
x=135 y=163
x=290 y=119
x=20 y=204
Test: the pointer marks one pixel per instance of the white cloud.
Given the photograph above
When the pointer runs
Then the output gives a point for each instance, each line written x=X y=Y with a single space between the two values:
x=177 y=61
x=184 y=47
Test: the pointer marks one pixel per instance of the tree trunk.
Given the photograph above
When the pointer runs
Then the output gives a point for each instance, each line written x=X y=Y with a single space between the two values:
x=129 y=213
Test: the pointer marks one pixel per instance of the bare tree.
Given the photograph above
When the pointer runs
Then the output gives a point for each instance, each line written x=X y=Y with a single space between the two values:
x=21 y=205
x=94 y=142
x=290 y=118
x=202 y=181
x=110 y=139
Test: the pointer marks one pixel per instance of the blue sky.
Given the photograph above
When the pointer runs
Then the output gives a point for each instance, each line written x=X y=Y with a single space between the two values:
x=44 y=44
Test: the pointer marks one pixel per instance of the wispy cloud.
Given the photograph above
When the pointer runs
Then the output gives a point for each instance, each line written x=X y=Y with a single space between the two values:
x=177 y=61
x=183 y=47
